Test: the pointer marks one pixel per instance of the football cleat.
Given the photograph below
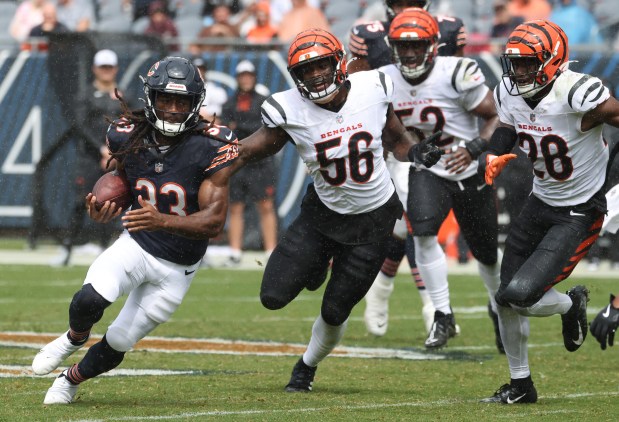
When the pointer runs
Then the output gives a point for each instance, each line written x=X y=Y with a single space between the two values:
x=575 y=320
x=302 y=378
x=53 y=354
x=443 y=327
x=512 y=394
x=376 y=315
x=497 y=332
x=62 y=390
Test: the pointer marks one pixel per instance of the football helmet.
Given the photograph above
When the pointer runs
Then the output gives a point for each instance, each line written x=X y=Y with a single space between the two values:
x=413 y=38
x=178 y=76
x=391 y=12
x=309 y=47
x=535 y=54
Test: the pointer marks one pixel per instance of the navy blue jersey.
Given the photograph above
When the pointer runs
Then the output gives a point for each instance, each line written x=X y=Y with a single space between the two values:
x=369 y=40
x=170 y=180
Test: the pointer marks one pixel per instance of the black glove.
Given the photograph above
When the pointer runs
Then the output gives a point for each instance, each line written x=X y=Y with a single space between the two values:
x=426 y=152
x=605 y=324
x=475 y=147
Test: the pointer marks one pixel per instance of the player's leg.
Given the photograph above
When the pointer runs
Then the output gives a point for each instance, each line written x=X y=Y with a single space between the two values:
x=300 y=260
x=427 y=307
x=475 y=211
x=353 y=272
x=106 y=280
x=148 y=305
x=429 y=202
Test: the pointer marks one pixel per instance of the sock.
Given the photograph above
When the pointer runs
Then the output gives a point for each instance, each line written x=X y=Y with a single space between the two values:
x=78 y=338
x=432 y=266
x=522 y=382
x=74 y=376
x=551 y=303
x=491 y=276
x=390 y=267
x=324 y=339
x=515 y=335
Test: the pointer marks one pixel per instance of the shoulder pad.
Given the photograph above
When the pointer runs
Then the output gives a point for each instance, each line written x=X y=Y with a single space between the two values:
x=586 y=92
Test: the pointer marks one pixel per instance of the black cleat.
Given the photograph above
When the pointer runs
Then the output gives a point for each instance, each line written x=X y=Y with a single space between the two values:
x=511 y=394
x=443 y=327
x=575 y=320
x=497 y=332
x=302 y=378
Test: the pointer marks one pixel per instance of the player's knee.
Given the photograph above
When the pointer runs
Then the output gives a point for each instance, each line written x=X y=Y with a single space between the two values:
x=86 y=308
x=272 y=301
x=332 y=314
x=120 y=339
x=100 y=358
x=518 y=293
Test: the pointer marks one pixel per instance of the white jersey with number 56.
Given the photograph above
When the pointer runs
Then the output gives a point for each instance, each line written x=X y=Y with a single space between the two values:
x=342 y=150
x=569 y=164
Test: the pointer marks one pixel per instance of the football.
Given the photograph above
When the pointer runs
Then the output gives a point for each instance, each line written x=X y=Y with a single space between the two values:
x=113 y=187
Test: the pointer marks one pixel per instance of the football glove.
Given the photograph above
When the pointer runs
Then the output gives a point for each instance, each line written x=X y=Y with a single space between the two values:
x=426 y=152
x=495 y=165
x=605 y=324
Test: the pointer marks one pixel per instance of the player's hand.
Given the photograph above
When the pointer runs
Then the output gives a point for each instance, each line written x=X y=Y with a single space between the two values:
x=605 y=324
x=426 y=152
x=495 y=165
x=146 y=218
x=105 y=214
x=458 y=159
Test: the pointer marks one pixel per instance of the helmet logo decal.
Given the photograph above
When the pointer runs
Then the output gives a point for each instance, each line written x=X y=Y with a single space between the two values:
x=308 y=56
x=176 y=87
x=151 y=72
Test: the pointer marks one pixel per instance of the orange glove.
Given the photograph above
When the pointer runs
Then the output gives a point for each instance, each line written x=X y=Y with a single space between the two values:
x=495 y=164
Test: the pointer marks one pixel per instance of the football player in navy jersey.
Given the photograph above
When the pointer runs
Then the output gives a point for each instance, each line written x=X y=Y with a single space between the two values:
x=556 y=117
x=179 y=173
x=368 y=41
x=340 y=126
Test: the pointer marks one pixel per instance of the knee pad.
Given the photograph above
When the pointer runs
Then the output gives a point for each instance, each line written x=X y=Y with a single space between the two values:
x=519 y=293
x=86 y=308
x=332 y=315
x=272 y=302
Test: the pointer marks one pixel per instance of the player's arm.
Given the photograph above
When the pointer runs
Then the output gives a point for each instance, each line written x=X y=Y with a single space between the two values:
x=408 y=147
x=208 y=222
x=468 y=151
x=262 y=143
x=607 y=112
x=358 y=47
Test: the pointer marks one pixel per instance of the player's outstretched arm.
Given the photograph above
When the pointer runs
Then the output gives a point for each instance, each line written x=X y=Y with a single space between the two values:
x=261 y=144
x=606 y=322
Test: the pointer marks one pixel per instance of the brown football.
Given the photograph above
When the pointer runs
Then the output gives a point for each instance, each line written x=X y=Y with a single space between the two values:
x=113 y=187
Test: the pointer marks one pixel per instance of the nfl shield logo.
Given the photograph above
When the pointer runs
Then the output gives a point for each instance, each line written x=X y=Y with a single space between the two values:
x=413 y=93
x=339 y=118
x=158 y=167
x=532 y=117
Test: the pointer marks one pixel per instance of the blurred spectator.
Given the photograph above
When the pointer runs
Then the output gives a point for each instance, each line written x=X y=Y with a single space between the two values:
x=161 y=24
x=254 y=183
x=214 y=97
x=262 y=31
x=280 y=7
x=50 y=23
x=234 y=6
x=141 y=7
x=221 y=27
x=96 y=104
x=504 y=22
x=579 y=25
x=28 y=15
x=77 y=15
x=529 y=9
x=302 y=16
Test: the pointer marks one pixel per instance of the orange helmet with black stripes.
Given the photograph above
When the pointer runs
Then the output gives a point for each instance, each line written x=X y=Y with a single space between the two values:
x=535 y=54
x=317 y=64
x=413 y=38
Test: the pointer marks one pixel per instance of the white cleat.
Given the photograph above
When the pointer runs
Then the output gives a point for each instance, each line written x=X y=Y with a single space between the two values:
x=61 y=391
x=376 y=315
x=53 y=354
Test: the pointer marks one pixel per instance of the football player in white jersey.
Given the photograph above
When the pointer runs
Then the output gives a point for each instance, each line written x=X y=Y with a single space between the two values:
x=556 y=117
x=340 y=126
x=435 y=93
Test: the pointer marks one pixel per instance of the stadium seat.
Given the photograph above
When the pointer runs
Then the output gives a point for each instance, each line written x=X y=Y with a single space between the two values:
x=113 y=17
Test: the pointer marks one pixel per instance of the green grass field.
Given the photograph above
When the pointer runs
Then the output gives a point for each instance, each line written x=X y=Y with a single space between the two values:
x=249 y=387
